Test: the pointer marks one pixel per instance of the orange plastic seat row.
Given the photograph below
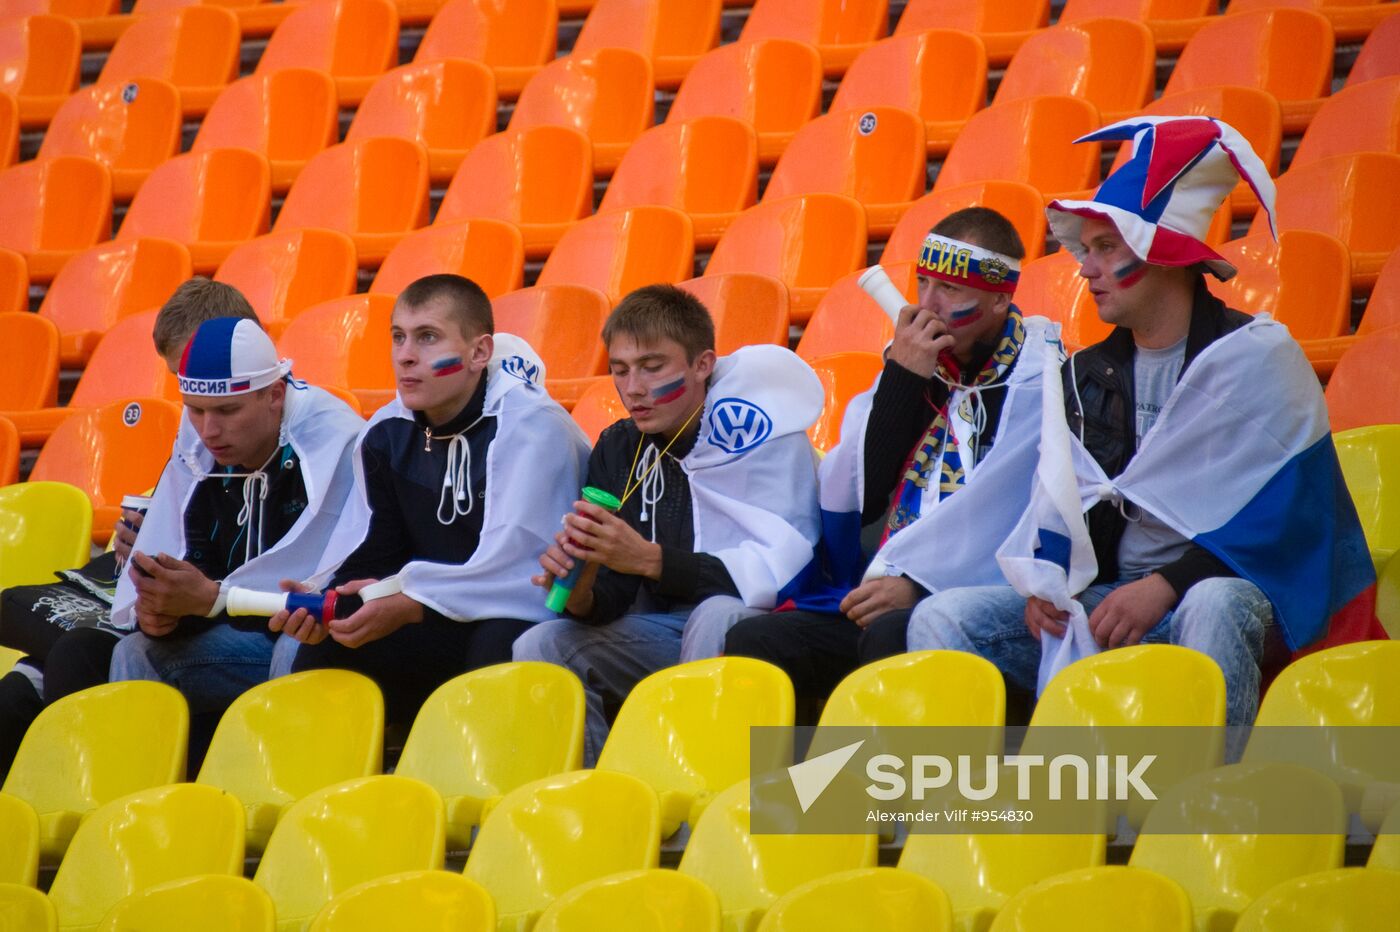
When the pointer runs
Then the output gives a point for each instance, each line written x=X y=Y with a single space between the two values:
x=622 y=250
x=515 y=41
x=1365 y=386
x=843 y=376
x=1045 y=156
x=39 y=61
x=354 y=41
x=1351 y=20
x=282 y=274
x=52 y=209
x=489 y=252
x=1172 y=22
x=9 y=452
x=14 y=282
x=1380 y=56
x=1304 y=281
x=1382 y=312
x=9 y=131
x=1112 y=63
x=344 y=343
x=29 y=380
x=839 y=29
x=194 y=48
x=1020 y=203
x=255 y=18
x=671 y=34
x=1002 y=26
x=1359 y=118
x=847 y=320
x=131 y=127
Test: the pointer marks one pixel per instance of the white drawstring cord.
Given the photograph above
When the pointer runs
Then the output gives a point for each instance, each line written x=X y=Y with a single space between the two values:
x=456 y=481
x=653 y=482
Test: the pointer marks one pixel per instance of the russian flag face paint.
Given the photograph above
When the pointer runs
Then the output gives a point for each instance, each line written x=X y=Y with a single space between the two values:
x=447 y=365
x=1130 y=273
x=663 y=394
x=962 y=316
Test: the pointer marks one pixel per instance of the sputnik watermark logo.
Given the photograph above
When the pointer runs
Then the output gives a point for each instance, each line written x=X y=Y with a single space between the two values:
x=811 y=777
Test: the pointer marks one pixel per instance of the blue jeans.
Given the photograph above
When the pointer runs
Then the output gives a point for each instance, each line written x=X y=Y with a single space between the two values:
x=1225 y=618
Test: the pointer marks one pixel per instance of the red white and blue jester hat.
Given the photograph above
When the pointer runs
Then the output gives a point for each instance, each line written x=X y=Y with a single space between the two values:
x=1163 y=198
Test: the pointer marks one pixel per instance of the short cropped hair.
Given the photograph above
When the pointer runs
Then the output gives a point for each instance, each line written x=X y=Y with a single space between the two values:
x=984 y=227
x=663 y=312
x=194 y=302
x=463 y=297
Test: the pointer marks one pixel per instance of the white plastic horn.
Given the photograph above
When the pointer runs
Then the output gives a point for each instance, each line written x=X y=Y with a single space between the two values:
x=876 y=283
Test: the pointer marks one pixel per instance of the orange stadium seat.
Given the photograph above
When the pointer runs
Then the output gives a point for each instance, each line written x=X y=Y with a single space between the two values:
x=1352 y=20
x=561 y=322
x=515 y=41
x=115 y=450
x=282 y=274
x=131 y=128
x=489 y=252
x=1351 y=197
x=672 y=34
x=1304 y=281
x=608 y=95
x=1045 y=156
x=1111 y=63
x=1017 y=202
x=706 y=167
x=807 y=242
x=194 y=48
x=14 y=282
x=73 y=9
x=211 y=201
x=1358 y=118
x=1382 y=312
x=39 y=60
x=1285 y=52
x=374 y=190
x=940 y=74
x=847 y=320
x=255 y=18
x=747 y=309
x=106 y=283
x=9 y=452
x=540 y=179
x=1002 y=25
x=30 y=379
x=598 y=408
x=51 y=210
x=1172 y=22
x=1365 y=386
x=623 y=250
x=774 y=85
x=344 y=343
x=1051 y=287
x=9 y=130
x=876 y=156
x=446 y=106
x=286 y=117
x=1379 y=56
x=840 y=29
x=354 y=41
x=843 y=375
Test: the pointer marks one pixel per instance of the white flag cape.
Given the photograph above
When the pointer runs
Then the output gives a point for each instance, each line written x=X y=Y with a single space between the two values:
x=535 y=466
x=321 y=430
x=753 y=479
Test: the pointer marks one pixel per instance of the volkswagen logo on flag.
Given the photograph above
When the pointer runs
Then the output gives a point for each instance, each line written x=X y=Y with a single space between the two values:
x=737 y=425
x=521 y=368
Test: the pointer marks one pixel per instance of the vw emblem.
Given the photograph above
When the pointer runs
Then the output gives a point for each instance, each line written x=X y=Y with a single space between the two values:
x=737 y=425
x=521 y=368
x=131 y=414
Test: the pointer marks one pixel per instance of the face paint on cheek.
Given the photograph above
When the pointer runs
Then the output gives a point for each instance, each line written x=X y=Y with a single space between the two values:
x=962 y=316
x=1130 y=273
x=447 y=365
x=663 y=394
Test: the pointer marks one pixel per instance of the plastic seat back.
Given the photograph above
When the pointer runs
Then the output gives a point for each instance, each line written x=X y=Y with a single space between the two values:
x=623 y=250
x=39 y=57
x=671 y=34
x=210 y=902
x=1002 y=26
x=1352 y=684
x=608 y=96
x=286 y=738
x=19 y=858
x=282 y=274
x=9 y=461
x=9 y=130
x=149 y=837
x=445 y=106
x=872 y=899
x=928 y=688
x=747 y=309
x=1112 y=63
x=1347 y=898
x=125 y=365
x=489 y=252
x=1098 y=898
x=210 y=201
x=807 y=242
x=286 y=116
x=774 y=85
x=354 y=41
x=1148 y=684
x=50 y=210
x=25 y=909
x=597 y=408
x=514 y=41
x=1052 y=287
x=649 y=900
x=843 y=375
x=194 y=48
x=1048 y=160
x=838 y=28
x=76 y=756
x=14 y=282
x=1304 y=280
x=749 y=871
x=105 y=284
x=1380 y=55
x=44 y=527
x=1388 y=598
x=30 y=380
x=561 y=322
x=849 y=321
x=1370 y=458
x=344 y=343
x=1017 y=202
x=1365 y=387
x=346 y=834
x=1222 y=870
x=485 y=733
x=428 y=901
x=1286 y=52
x=1358 y=118
x=685 y=730
x=130 y=127
x=570 y=829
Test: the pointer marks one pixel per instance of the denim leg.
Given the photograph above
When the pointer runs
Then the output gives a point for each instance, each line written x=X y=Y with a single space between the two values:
x=1228 y=620
x=284 y=654
x=709 y=623
x=988 y=621
x=610 y=659
x=210 y=664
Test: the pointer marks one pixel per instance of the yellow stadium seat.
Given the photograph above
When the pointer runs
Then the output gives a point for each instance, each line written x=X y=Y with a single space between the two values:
x=347 y=834
x=1385 y=852
x=30 y=380
x=143 y=839
x=354 y=41
x=561 y=323
x=1388 y=598
x=1303 y=279
x=39 y=64
x=1328 y=901
x=131 y=127
x=1370 y=458
x=622 y=250
x=1112 y=63
x=284 y=739
x=1365 y=386
x=9 y=460
x=282 y=274
x=747 y=309
x=14 y=282
x=19 y=856
x=847 y=320
x=1378 y=56
x=843 y=376
x=1045 y=157
x=872 y=899
x=648 y=900
x=44 y=527
x=569 y=829
x=484 y=733
x=929 y=688
x=76 y=756
x=774 y=85
x=1147 y=684
x=540 y=179
x=750 y=871
x=515 y=42
x=839 y=29
x=684 y=730
x=1098 y=899
x=425 y=901
x=1002 y=25
x=52 y=210
x=597 y=408
x=344 y=343
x=1223 y=871
x=489 y=252
x=1017 y=202
x=286 y=117
x=208 y=902
x=194 y=48
x=671 y=34
x=24 y=909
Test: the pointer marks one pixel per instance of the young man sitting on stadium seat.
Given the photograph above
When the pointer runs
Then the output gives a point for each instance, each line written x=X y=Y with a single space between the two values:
x=719 y=504
x=459 y=485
